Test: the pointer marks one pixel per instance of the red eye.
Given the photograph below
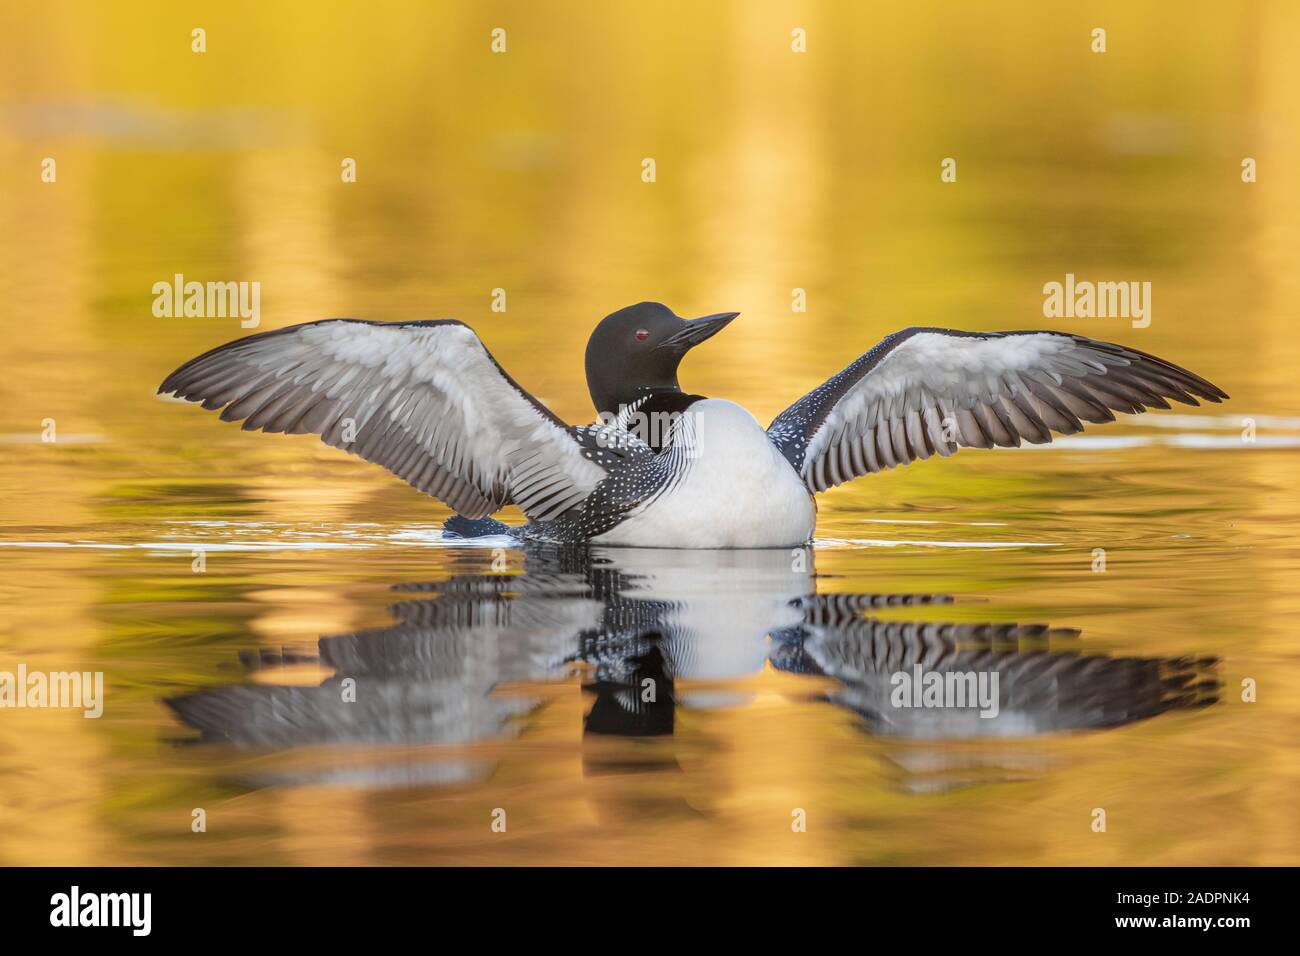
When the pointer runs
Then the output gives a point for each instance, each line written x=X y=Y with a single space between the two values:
x=642 y=335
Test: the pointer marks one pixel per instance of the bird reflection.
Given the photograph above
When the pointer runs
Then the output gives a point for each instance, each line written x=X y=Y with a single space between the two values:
x=653 y=632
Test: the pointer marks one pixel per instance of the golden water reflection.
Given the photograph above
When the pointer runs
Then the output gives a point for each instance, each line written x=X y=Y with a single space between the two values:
x=521 y=171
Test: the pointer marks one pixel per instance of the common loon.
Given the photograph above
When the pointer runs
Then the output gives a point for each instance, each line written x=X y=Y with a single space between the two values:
x=661 y=468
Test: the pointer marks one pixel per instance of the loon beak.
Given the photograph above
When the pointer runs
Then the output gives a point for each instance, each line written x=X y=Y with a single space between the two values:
x=697 y=330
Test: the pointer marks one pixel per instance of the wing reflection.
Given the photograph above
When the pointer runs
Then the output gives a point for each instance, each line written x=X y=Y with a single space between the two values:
x=654 y=632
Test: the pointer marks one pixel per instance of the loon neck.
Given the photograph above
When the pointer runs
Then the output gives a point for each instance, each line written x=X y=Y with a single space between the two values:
x=629 y=399
x=652 y=417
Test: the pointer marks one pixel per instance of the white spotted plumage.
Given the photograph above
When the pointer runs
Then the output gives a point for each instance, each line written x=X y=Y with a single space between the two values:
x=730 y=488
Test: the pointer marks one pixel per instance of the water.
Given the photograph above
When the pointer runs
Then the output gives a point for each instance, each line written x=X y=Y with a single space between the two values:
x=490 y=679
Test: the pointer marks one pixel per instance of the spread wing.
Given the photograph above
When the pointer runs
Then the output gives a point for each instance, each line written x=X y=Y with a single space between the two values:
x=424 y=399
x=924 y=392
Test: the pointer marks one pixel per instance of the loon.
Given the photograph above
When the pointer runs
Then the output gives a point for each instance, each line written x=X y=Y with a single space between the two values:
x=661 y=467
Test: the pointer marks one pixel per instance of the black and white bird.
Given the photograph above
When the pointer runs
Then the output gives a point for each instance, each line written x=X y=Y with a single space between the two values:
x=662 y=468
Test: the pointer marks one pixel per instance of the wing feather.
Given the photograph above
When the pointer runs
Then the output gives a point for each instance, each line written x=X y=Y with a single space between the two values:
x=425 y=400
x=924 y=392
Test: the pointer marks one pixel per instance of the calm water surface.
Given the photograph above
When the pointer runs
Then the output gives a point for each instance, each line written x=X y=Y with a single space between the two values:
x=492 y=678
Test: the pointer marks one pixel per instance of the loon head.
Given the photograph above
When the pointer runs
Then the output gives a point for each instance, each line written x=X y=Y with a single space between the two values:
x=635 y=352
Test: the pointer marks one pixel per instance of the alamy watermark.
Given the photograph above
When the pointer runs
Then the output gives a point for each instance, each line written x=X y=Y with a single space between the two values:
x=208 y=300
x=956 y=690
x=657 y=429
x=75 y=908
x=1085 y=299
x=82 y=690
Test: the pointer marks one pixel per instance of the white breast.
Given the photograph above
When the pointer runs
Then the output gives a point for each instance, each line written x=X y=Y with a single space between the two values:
x=735 y=490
